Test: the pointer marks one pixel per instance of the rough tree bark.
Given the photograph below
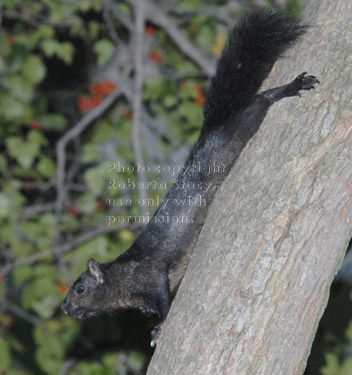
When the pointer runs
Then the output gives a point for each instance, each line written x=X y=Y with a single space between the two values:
x=277 y=231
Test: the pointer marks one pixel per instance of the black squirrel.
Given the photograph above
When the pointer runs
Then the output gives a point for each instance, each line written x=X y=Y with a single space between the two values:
x=145 y=275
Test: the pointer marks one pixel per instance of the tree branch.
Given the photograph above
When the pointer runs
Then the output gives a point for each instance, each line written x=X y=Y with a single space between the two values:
x=108 y=6
x=20 y=312
x=74 y=132
x=137 y=99
x=158 y=17
x=65 y=248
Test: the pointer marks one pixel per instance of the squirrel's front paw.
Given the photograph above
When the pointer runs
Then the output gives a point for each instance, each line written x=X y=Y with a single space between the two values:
x=155 y=334
x=303 y=82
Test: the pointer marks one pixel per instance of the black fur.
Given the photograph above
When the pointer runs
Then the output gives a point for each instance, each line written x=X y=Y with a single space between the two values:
x=252 y=48
x=144 y=276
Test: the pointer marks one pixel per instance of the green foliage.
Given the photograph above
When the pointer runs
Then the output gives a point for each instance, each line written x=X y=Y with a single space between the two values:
x=104 y=49
x=4 y=355
x=54 y=338
x=95 y=179
x=52 y=121
x=331 y=349
x=33 y=69
x=25 y=151
x=333 y=365
x=108 y=364
x=190 y=4
x=63 y=50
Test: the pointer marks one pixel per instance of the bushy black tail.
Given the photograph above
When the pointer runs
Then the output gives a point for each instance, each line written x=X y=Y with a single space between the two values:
x=252 y=48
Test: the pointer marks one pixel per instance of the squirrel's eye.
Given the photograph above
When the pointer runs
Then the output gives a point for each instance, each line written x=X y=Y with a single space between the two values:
x=80 y=289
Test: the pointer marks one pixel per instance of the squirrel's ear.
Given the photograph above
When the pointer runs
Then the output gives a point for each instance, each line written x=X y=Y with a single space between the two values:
x=95 y=271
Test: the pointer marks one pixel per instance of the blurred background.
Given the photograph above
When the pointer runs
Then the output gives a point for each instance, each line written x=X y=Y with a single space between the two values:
x=83 y=84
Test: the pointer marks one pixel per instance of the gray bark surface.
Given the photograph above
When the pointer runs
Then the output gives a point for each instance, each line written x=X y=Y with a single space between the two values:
x=276 y=233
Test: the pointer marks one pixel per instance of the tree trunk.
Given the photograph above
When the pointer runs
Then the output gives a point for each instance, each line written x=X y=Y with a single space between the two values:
x=276 y=233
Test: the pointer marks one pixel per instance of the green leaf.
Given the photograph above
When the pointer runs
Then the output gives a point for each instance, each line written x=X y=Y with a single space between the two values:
x=11 y=189
x=57 y=11
x=153 y=88
x=86 y=5
x=46 y=167
x=169 y=101
x=22 y=273
x=40 y=291
x=95 y=179
x=187 y=90
x=189 y=4
x=44 y=31
x=5 y=206
x=39 y=231
x=37 y=138
x=15 y=344
x=3 y=165
x=34 y=69
x=86 y=203
x=49 y=47
x=39 y=296
x=4 y=355
x=90 y=153
x=191 y=112
x=14 y=110
x=53 y=121
x=94 y=29
x=45 y=307
x=23 y=152
x=65 y=52
x=25 y=42
x=19 y=372
x=2 y=65
x=96 y=248
x=136 y=360
x=205 y=38
x=103 y=131
x=110 y=359
x=124 y=9
x=53 y=337
x=21 y=88
x=104 y=50
x=18 y=247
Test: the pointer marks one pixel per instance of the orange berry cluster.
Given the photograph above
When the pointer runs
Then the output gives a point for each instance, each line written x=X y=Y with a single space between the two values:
x=10 y=39
x=97 y=93
x=102 y=88
x=156 y=56
x=63 y=288
x=199 y=98
x=149 y=30
x=35 y=125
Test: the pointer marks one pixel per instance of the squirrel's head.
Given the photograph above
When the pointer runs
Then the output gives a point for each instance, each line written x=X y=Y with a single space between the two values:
x=87 y=296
